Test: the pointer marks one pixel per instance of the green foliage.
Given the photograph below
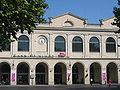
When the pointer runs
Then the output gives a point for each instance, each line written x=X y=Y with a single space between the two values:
x=19 y=15
x=116 y=12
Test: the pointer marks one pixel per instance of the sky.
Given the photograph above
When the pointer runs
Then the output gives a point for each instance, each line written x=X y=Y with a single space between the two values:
x=93 y=10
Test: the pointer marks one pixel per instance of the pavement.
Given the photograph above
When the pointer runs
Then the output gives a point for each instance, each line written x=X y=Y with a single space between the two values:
x=61 y=87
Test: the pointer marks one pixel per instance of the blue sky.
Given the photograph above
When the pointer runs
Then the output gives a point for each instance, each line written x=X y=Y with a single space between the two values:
x=93 y=10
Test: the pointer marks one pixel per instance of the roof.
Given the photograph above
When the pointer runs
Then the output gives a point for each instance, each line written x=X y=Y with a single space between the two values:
x=107 y=18
x=70 y=15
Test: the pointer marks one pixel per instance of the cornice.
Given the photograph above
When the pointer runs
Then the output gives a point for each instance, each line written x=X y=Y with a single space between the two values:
x=75 y=29
x=59 y=58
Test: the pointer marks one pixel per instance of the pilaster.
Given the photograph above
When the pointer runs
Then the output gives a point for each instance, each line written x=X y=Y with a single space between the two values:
x=69 y=74
x=87 y=76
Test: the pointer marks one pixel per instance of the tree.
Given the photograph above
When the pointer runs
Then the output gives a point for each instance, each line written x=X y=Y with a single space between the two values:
x=19 y=16
x=116 y=12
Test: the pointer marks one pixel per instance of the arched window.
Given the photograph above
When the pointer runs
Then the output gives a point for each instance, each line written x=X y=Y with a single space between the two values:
x=60 y=44
x=77 y=44
x=94 y=45
x=68 y=24
x=110 y=45
x=23 y=43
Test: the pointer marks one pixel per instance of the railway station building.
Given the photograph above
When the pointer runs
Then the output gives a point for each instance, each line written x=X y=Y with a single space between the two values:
x=67 y=50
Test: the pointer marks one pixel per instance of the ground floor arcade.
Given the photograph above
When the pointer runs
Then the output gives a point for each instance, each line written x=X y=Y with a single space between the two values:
x=39 y=72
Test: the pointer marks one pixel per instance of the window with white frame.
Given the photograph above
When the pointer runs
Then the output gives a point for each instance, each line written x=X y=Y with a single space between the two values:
x=60 y=44
x=77 y=44
x=23 y=43
x=94 y=44
x=110 y=45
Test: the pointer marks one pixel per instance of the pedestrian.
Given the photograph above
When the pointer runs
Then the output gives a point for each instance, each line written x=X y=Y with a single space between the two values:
x=7 y=81
x=2 y=80
x=110 y=82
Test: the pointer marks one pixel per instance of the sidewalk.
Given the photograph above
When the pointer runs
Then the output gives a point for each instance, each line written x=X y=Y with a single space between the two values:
x=68 y=86
x=96 y=86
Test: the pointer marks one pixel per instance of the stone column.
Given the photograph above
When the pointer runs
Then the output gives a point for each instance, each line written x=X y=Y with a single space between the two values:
x=86 y=46
x=104 y=75
x=69 y=74
x=32 y=76
x=13 y=76
x=51 y=76
x=87 y=76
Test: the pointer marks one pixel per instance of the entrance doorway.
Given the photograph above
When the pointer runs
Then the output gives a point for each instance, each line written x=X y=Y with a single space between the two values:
x=60 y=74
x=95 y=73
x=23 y=74
x=4 y=73
x=41 y=74
x=112 y=73
x=78 y=74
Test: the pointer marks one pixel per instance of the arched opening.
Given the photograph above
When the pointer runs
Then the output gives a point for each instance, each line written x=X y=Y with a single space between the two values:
x=78 y=74
x=112 y=73
x=110 y=45
x=5 y=73
x=77 y=44
x=23 y=43
x=60 y=44
x=23 y=74
x=60 y=74
x=94 y=44
x=68 y=24
x=42 y=45
x=41 y=74
x=95 y=73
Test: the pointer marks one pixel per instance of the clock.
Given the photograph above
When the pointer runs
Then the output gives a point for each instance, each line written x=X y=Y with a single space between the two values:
x=41 y=41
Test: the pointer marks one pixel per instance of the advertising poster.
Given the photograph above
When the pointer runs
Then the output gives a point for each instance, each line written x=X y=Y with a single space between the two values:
x=13 y=76
x=69 y=76
x=104 y=76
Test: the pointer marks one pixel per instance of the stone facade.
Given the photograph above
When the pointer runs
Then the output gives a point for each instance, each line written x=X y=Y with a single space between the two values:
x=77 y=67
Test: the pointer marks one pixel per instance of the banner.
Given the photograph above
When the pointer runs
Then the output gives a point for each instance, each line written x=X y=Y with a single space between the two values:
x=69 y=76
x=103 y=76
x=13 y=76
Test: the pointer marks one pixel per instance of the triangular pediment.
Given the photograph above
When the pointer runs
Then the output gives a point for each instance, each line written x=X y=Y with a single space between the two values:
x=70 y=15
x=107 y=23
x=111 y=18
x=67 y=20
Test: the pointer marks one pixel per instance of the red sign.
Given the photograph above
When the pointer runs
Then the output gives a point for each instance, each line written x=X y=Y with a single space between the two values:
x=62 y=55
